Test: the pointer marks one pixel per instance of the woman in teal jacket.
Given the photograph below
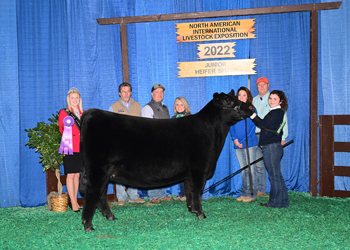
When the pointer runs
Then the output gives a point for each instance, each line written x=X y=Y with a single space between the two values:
x=181 y=109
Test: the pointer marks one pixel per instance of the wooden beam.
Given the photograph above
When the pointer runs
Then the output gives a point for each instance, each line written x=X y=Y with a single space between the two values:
x=341 y=120
x=341 y=171
x=326 y=156
x=313 y=102
x=342 y=194
x=125 y=56
x=221 y=13
x=341 y=146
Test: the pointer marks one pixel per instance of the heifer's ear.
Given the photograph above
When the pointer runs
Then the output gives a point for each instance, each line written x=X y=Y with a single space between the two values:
x=216 y=96
x=232 y=93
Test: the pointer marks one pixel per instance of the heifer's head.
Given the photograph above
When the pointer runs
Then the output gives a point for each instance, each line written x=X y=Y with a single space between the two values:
x=234 y=110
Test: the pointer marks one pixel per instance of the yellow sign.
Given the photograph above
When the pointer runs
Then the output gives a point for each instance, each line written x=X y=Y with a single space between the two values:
x=217 y=68
x=215 y=50
x=215 y=30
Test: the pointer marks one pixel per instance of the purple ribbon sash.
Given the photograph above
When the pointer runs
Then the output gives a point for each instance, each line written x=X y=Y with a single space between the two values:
x=67 y=142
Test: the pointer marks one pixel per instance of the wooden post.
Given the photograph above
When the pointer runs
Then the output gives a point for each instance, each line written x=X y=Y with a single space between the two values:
x=313 y=103
x=326 y=155
x=125 y=56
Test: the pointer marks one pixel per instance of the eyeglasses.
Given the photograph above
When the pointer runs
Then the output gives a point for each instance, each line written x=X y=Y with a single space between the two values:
x=261 y=84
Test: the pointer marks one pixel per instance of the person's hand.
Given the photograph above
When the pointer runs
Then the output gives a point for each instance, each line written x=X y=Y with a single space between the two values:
x=240 y=145
x=283 y=142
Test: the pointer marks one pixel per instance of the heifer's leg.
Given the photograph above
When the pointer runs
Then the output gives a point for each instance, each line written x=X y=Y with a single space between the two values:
x=188 y=194
x=91 y=198
x=197 y=185
x=94 y=193
x=104 y=206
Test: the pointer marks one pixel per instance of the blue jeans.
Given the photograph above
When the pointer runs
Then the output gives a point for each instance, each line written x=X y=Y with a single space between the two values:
x=182 y=189
x=156 y=193
x=272 y=157
x=241 y=154
x=122 y=195
x=261 y=170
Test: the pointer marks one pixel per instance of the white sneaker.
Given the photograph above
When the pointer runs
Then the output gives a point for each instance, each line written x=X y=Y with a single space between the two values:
x=183 y=198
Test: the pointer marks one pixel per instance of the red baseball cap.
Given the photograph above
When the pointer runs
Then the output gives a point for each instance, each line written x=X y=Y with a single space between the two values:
x=262 y=79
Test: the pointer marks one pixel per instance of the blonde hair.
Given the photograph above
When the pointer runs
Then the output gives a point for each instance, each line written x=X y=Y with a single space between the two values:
x=184 y=102
x=75 y=90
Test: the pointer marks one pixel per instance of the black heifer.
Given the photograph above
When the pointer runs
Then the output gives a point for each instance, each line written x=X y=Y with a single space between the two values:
x=149 y=153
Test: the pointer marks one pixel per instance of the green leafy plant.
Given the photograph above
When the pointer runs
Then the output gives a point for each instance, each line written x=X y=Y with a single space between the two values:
x=46 y=138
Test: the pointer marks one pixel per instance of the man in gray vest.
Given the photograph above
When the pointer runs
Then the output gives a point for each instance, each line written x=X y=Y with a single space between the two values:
x=126 y=106
x=157 y=110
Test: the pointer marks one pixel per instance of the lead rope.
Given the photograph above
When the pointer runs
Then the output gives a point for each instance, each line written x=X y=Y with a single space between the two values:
x=240 y=170
x=248 y=157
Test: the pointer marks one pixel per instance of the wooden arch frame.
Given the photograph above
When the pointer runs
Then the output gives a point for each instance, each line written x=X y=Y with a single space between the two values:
x=312 y=8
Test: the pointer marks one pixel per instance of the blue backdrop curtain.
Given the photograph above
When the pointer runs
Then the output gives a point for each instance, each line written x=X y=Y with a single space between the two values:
x=282 y=52
x=43 y=82
x=9 y=107
x=49 y=46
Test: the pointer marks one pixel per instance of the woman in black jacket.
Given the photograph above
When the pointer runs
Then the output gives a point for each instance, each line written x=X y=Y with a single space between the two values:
x=270 y=142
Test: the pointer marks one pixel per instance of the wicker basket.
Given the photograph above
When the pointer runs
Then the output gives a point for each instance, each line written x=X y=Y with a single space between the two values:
x=59 y=203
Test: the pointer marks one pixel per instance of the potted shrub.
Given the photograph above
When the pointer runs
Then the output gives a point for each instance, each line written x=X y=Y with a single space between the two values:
x=46 y=138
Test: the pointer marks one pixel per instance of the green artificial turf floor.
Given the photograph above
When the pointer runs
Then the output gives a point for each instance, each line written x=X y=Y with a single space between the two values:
x=309 y=223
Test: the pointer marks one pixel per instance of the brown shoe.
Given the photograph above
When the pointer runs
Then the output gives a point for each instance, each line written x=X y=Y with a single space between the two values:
x=183 y=198
x=260 y=194
x=121 y=203
x=155 y=201
x=248 y=199
x=167 y=198
x=240 y=198
x=138 y=200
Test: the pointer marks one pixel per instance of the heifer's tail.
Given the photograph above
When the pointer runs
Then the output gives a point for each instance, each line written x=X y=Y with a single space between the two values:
x=83 y=176
x=82 y=182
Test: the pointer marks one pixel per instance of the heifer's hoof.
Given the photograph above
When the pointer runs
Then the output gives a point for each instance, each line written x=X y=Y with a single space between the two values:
x=112 y=218
x=201 y=216
x=191 y=210
x=89 y=229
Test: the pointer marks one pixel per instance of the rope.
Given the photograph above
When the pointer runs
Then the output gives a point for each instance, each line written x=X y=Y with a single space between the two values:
x=59 y=184
x=240 y=170
x=53 y=193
